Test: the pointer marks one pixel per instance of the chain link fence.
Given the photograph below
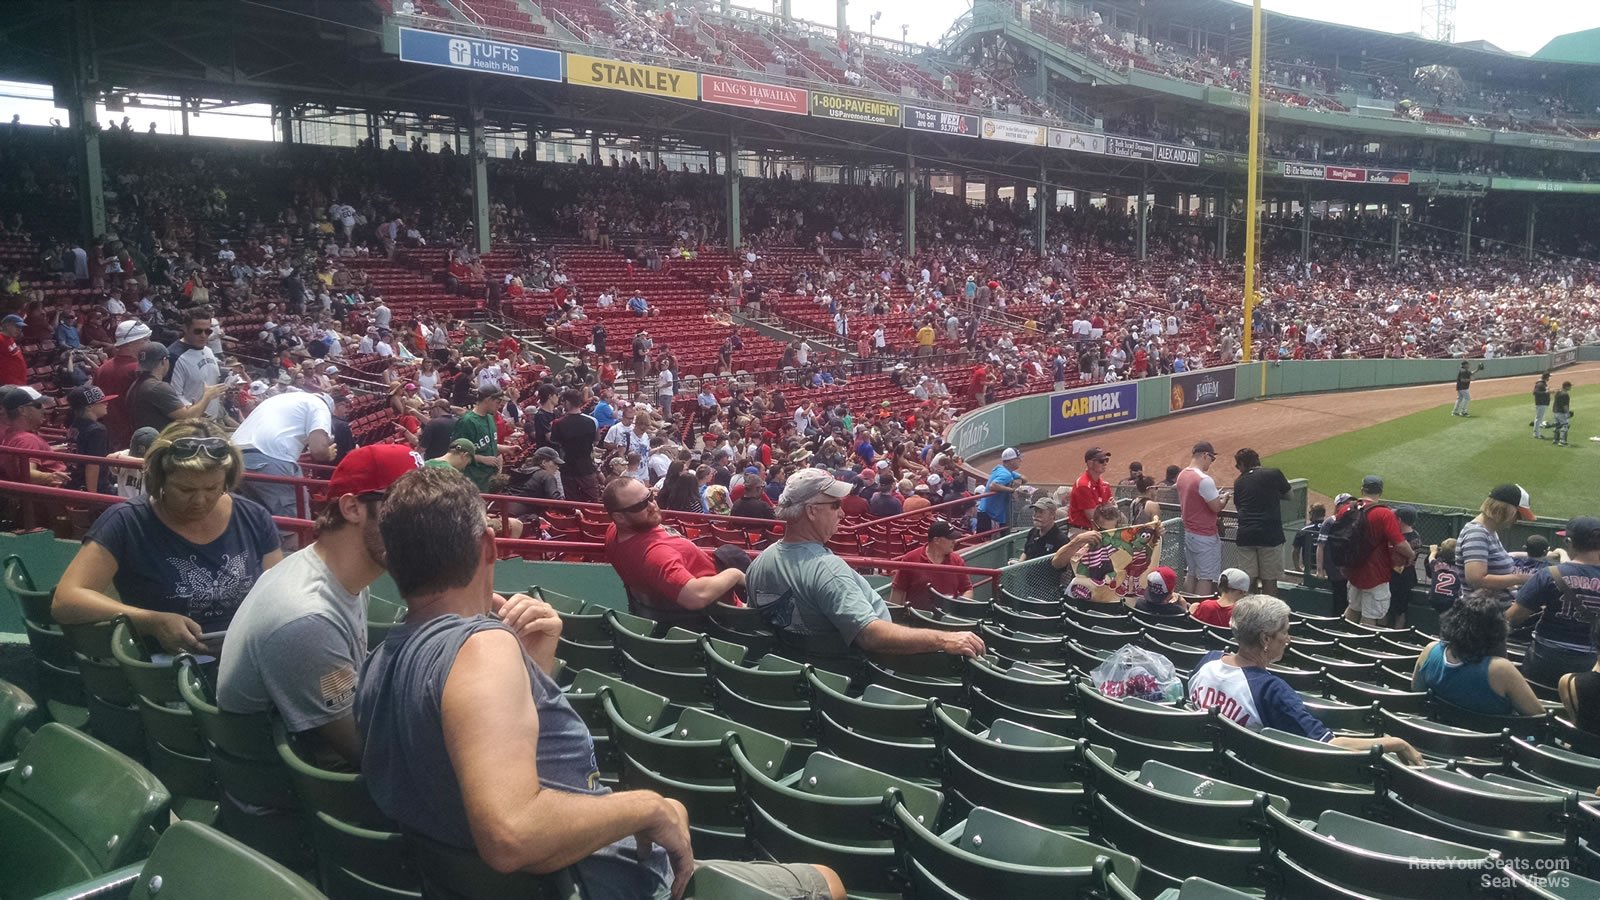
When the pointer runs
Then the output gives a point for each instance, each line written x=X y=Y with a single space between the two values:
x=1036 y=579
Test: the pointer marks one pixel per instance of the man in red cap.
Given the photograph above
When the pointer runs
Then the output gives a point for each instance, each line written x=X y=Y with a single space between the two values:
x=300 y=636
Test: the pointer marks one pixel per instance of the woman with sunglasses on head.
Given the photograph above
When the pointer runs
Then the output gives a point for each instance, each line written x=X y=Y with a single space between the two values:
x=182 y=557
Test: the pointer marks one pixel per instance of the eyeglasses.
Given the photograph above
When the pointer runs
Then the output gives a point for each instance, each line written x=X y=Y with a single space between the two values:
x=831 y=504
x=190 y=447
x=637 y=507
x=200 y=330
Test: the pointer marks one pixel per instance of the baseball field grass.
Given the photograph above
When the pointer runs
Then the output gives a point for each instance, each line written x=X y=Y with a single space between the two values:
x=1435 y=458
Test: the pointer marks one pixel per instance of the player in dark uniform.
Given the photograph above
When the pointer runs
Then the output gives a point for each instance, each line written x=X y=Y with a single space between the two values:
x=1463 y=390
x=1561 y=408
x=1541 y=404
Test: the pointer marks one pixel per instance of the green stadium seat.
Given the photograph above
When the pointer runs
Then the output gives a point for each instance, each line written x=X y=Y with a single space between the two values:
x=1340 y=855
x=250 y=772
x=1184 y=657
x=174 y=748
x=995 y=855
x=939 y=620
x=830 y=813
x=1555 y=766
x=1532 y=727
x=1020 y=647
x=987 y=708
x=195 y=862
x=884 y=729
x=1022 y=685
x=18 y=715
x=1363 y=693
x=1570 y=736
x=73 y=808
x=1306 y=681
x=451 y=873
x=934 y=676
x=586 y=641
x=113 y=717
x=1345 y=718
x=637 y=705
x=382 y=616
x=1524 y=821
x=1180 y=823
x=1027 y=622
x=1471 y=751
x=742 y=625
x=1084 y=660
x=1102 y=638
x=961 y=606
x=1014 y=769
x=1112 y=887
x=1309 y=774
x=1139 y=730
x=1044 y=606
x=1557 y=885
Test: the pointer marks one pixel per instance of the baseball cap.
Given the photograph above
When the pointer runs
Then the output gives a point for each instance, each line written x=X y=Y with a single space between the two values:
x=808 y=484
x=939 y=528
x=934 y=481
x=1583 y=532
x=130 y=331
x=752 y=470
x=1233 y=580
x=1009 y=454
x=1514 y=495
x=462 y=444
x=1342 y=499
x=921 y=488
x=13 y=319
x=550 y=453
x=142 y=439
x=1203 y=447
x=1046 y=503
x=371 y=469
x=152 y=352
x=1372 y=484
x=331 y=370
x=1160 y=584
x=1094 y=453
x=1406 y=514
x=21 y=396
x=87 y=396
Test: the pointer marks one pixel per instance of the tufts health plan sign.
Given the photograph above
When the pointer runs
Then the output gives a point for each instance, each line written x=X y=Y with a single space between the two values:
x=456 y=51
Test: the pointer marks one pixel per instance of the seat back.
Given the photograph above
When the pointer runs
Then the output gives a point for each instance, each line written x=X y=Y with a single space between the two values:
x=1553 y=765
x=1437 y=740
x=1532 y=727
x=1181 y=802
x=1019 y=687
x=73 y=808
x=33 y=603
x=1456 y=806
x=451 y=873
x=833 y=799
x=194 y=862
x=1364 y=857
x=17 y=712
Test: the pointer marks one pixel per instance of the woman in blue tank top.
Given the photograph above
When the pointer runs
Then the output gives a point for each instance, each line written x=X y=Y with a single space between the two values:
x=1468 y=667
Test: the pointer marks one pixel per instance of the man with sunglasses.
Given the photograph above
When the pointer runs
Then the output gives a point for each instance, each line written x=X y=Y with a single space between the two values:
x=818 y=604
x=194 y=366
x=1199 y=503
x=298 y=640
x=1089 y=492
x=668 y=578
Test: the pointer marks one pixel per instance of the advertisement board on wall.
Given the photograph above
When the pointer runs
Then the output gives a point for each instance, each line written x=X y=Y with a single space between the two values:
x=979 y=432
x=1013 y=132
x=1093 y=407
x=1561 y=358
x=1304 y=170
x=635 y=78
x=1203 y=388
x=754 y=94
x=845 y=108
x=941 y=121
x=1079 y=141
x=455 y=51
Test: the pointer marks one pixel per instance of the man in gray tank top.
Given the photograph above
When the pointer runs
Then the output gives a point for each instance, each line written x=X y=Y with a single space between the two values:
x=469 y=741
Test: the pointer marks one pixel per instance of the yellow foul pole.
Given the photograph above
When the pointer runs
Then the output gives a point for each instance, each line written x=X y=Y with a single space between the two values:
x=1252 y=189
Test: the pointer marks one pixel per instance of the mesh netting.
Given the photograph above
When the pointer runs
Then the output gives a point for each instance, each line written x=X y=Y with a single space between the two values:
x=1036 y=579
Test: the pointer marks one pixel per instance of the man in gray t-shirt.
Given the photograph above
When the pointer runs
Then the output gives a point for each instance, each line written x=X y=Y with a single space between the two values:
x=808 y=593
x=300 y=636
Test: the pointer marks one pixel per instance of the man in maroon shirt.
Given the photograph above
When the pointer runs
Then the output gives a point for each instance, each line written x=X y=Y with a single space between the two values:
x=1089 y=491
x=911 y=586
x=116 y=375
x=24 y=408
x=667 y=577
x=13 y=366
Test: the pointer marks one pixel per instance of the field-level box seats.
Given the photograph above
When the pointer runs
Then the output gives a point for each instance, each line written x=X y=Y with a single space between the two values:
x=883 y=729
x=833 y=813
x=771 y=696
x=60 y=686
x=1340 y=855
x=1039 y=698
x=192 y=861
x=636 y=705
x=73 y=808
x=1140 y=729
x=1309 y=774
x=1012 y=768
x=174 y=747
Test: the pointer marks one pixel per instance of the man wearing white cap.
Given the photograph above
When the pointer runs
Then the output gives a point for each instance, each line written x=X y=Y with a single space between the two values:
x=820 y=607
x=116 y=375
x=1003 y=481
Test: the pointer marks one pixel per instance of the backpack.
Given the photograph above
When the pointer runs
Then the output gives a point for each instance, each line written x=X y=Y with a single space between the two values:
x=1347 y=536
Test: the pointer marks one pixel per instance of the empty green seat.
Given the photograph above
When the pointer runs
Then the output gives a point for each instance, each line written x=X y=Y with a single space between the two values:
x=1310 y=774
x=1532 y=727
x=1014 y=769
x=174 y=749
x=1554 y=765
x=932 y=676
x=1557 y=885
x=831 y=813
x=113 y=718
x=646 y=709
x=1473 y=751
x=994 y=855
x=1526 y=822
x=73 y=809
x=1342 y=855
x=1140 y=730
x=17 y=715
x=195 y=862
x=1021 y=647
x=883 y=729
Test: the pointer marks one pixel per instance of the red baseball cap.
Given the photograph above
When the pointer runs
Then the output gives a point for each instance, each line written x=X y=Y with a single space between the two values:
x=371 y=469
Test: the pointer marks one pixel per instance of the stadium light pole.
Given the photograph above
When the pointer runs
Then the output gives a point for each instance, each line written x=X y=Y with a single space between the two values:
x=1252 y=188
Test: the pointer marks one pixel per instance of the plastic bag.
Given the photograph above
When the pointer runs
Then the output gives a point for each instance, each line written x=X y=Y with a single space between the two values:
x=1136 y=672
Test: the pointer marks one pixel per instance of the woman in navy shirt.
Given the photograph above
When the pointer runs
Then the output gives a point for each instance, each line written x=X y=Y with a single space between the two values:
x=183 y=557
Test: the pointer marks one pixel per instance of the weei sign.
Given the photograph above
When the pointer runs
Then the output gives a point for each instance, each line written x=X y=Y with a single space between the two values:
x=1561 y=358
x=1088 y=408
x=1203 y=388
x=979 y=432
x=454 y=51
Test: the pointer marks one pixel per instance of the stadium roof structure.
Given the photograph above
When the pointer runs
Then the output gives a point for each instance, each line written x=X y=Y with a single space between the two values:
x=1574 y=47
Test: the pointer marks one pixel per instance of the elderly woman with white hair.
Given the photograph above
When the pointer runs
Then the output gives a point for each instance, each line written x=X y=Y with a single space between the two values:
x=1240 y=687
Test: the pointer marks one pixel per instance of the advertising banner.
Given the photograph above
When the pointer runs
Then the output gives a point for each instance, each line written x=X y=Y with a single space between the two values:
x=1345 y=174
x=754 y=95
x=1202 y=388
x=1013 y=132
x=942 y=122
x=979 y=432
x=1079 y=141
x=855 y=109
x=1561 y=358
x=1303 y=170
x=1087 y=408
x=1387 y=176
x=454 y=51
x=1183 y=156
x=635 y=78
x=1129 y=148
x=1216 y=160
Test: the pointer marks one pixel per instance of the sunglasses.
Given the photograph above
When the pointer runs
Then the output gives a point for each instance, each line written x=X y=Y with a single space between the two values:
x=189 y=447
x=637 y=507
x=200 y=331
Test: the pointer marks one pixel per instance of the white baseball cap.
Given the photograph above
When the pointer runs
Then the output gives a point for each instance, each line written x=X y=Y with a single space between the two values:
x=1233 y=580
x=1009 y=454
x=130 y=331
x=807 y=484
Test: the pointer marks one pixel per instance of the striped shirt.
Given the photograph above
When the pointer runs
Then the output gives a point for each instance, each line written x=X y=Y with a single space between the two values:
x=1479 y=544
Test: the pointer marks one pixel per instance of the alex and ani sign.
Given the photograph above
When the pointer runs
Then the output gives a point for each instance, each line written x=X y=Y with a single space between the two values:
x=632 y=77
x=1087 y=408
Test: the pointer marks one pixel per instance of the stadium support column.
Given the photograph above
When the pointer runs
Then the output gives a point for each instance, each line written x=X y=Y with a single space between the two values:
x=1394 y=237
x=735 y=238
x=1144 y=219
x=85 y=126
x=1466 y=231
x=478 y=153
x=911 y=205
x=785 y=9
x=286 y=122
x=1045 y=201
x=1305 y=226
x=1223 y=210
x=842 y=18
x=1527 y=242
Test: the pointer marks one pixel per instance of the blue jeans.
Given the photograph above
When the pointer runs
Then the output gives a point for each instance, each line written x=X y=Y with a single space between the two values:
x=279 y=499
